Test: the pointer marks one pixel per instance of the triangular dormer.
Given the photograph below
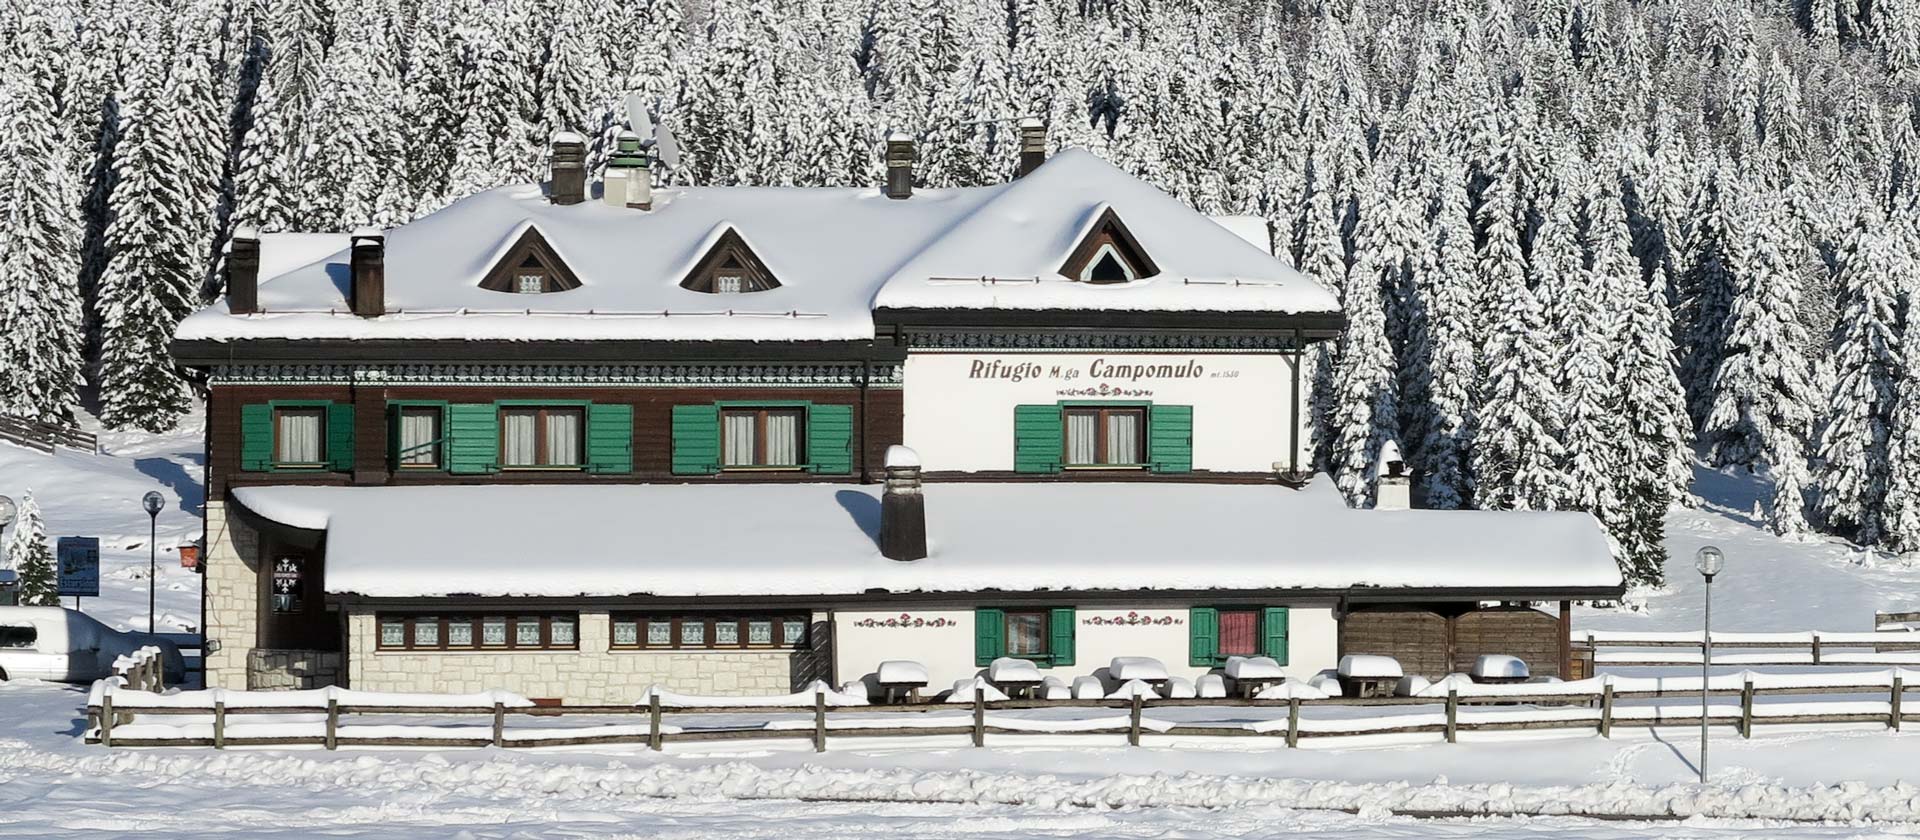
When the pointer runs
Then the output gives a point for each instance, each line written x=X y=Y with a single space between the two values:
x=530 y=267
x=730 y=267
x=1108 y=253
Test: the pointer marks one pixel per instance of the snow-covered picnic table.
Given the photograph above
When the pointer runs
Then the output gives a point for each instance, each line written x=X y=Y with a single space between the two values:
x=1252 y=674
x=1146 y=669
x=1014 y=676
x=900 y=678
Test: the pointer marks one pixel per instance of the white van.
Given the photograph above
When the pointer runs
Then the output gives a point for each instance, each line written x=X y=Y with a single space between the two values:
x=63 y=645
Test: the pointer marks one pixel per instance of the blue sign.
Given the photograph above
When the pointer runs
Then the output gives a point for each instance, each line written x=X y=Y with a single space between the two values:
x=79 y=562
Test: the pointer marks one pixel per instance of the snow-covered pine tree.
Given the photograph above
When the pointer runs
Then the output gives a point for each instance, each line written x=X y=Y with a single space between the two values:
x=1706 y=289
x=273 y=160
x=1763 y=393
x=27 y=554
x=499 y=140
x=40 y=320
x=1866 y=350
x=1363 y=404
x=1445 y=357
x=1900 y=514
x=433 y=103
x=1516 y=451
x=357 y=163
x=1584 y=320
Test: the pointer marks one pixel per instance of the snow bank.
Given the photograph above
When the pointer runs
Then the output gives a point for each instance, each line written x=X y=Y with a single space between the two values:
x=127 y=700
x=798 y=699
x=964 y=691
x=1292 y=690
x=1253 y=667
x=1134 y=688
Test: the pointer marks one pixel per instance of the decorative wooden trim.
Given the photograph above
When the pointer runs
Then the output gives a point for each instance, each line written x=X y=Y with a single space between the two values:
x=669 y=376
x=501 y=278
x=1108 y=230
x=952 y=341
x=730 y=247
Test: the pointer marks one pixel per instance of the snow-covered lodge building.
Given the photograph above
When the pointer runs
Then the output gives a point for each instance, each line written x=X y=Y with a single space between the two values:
x=572 y=442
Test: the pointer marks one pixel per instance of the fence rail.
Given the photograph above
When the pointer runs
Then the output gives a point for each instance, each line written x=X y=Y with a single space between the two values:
x=221 y=719
x=43 y=437
x=1655 y=649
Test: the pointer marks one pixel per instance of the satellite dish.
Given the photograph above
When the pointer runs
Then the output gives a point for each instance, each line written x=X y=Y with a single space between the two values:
x=637 y=117
x=666 y=147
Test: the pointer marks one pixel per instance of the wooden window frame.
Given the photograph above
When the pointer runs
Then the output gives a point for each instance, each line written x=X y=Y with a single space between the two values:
x=1108 y=230
x=760 y=415
x=504 y=276
x=439 y=444
x=273 y=421
x=730 y=255
x=1220 y=653
x=477 y=624
x=740 y=620
x=540 y=436
x=1100 y=414
x=1045 y=654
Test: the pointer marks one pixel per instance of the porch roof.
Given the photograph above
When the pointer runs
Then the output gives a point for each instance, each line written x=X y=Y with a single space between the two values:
x=820 y=539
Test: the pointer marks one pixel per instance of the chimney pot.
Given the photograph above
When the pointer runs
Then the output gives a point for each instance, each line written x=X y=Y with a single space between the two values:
x=628 y=181
x=569 y=169
x=243 y=271
x=903 y=509
x=1033 y=145
x=367 y=289
x=899 y=165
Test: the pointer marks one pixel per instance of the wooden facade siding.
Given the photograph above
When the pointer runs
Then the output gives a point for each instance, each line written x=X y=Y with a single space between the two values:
x=877 y=418
x=1444 y=639
x=1530 y=634
x=1416 y=637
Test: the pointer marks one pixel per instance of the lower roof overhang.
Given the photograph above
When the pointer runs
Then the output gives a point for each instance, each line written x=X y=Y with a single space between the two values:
x=1075 y=597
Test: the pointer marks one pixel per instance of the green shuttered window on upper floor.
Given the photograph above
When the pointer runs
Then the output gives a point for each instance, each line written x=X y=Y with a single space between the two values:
x=296 y=436
x=1097 y=435
x=767 y=435
x=475 y=442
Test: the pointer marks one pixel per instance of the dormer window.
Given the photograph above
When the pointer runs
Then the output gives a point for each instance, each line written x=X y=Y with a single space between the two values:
x=530 y=267
x=730 y=267
x=1108 y=253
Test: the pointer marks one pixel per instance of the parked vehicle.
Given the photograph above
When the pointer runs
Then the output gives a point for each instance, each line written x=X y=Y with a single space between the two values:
x=63 y=645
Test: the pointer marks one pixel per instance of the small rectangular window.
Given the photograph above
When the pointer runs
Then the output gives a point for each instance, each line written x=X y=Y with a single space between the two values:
x=626 y=633
x=728 y=284
x=1239 y=633
x=542 y=438
x=708 y=632
x=794 y=632
x=18 y=636
x=760 y=632
x=426 y=631
x=526 y=632
x=493 y=631
x=1027 y=634
x=1105 y=437
x=660 y=633
x=762 y=437
x=693 y=633
x=299 y=438
x=560 y=632
x=530 y=283
x=393 y=633
x=419 y=444
x=460 y=633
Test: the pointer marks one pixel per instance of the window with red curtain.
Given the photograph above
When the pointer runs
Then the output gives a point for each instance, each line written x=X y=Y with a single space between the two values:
x=1239 y=633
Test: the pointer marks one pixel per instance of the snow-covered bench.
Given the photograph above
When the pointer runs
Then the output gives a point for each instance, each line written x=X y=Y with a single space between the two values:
x=901 y=679
x=1146 y=669
x=1251 y=674
x=1368 y=675
x=1014 y=677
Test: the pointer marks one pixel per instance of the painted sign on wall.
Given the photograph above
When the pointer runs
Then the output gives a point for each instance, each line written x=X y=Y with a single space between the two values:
x=78 y=559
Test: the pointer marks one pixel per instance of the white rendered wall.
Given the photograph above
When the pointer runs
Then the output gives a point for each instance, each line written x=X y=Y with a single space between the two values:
x=940 y=638
x=959 y=406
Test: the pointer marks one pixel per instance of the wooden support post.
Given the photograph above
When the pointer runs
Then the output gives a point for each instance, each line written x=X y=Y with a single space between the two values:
x=1816 y=648
x=499 y=724
x=333 y=723
x=1893 y=703
x=819 y=721
x=1566 y=640
x=653 y=722
x=106 y=716
x=1133 y=723
x=1746 y=709
x=979 y=717
x=1606 y=711
x=1293 y=722
x=219 y=724
x=1453 y=715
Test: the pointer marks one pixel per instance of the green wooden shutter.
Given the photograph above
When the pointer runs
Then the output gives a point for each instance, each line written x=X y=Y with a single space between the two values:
x=1203 y=636
x=1036 y=438
x=609 y=438
x=256 y=437
x=989 y=636
x=340 y=436
x=1060 y=629
x=1170 y=438
x=696 y=439
x=830 y=439
x=393 y=436
x=473 y=438
x=1273 y=627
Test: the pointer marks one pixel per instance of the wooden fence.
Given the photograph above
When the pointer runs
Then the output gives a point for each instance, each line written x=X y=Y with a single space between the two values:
x=143 y=670
x=1592 y=705
x=1640 y=649
x=43 y=437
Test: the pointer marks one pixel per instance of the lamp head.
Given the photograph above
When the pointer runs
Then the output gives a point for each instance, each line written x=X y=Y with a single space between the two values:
x=6 y=511
x=1709 y=561
x=153 y=502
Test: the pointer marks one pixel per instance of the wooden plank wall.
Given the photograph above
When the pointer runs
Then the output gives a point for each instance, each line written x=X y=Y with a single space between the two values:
x=1436 y=641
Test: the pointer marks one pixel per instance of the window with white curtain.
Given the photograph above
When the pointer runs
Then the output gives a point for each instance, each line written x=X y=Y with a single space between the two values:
x=419 y=445
x=1106 y=437
x=298 y=436
x=762 y=437
x=541 y=437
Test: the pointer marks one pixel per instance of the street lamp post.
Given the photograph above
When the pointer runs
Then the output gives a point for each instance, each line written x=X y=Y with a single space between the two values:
x=1709 y=561
x=153 y=502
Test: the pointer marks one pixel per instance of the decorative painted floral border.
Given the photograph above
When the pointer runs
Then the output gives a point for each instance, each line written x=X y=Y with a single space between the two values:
x=1133 y=619
x=907 y=621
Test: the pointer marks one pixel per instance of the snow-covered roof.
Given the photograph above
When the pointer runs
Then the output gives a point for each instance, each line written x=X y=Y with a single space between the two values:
x=819 y=539
x=837 y=253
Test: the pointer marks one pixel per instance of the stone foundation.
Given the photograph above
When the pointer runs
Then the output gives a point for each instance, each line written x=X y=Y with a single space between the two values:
x=279 y=670
x=233 y=596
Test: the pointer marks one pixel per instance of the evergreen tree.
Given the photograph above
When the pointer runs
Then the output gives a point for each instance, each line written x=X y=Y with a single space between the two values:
x=1446 y=364
x=357 y=164
x=1516 y=452
x=1900 y=515
x=27 y=554
x=1706 y=290
x=1866 y=350
x=1363 y=407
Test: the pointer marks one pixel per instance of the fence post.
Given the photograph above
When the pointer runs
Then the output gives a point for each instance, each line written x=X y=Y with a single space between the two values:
x=1606 y=711
x=1746 y=709
x=1893 y=702
x=1816 y=648
x=1453 y=714
x=106 y=716
x=499 y=724
x=819 y=721
x=333 y=723
x=1133 y=723
x=1293 y=721
x=219 y=724
x=979 y=717
x=653 y=722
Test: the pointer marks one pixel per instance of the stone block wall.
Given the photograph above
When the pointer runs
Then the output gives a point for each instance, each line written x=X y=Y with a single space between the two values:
x=592 y=675
x=233 y=595
x=278 y=670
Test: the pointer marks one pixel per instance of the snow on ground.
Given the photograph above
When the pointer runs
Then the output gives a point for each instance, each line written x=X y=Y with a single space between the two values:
x=51 y=785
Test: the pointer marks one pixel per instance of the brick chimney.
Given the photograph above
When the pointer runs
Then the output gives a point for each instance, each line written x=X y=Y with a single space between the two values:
x=243 y=271
x=1033 y=145
x=899 y=165
x=367 y=291
x=903 y=510
x=1392 y=486
x=569 y=169
x=628 y=181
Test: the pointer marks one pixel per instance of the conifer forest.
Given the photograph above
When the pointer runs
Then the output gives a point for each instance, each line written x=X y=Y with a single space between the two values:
x=1586 y=247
